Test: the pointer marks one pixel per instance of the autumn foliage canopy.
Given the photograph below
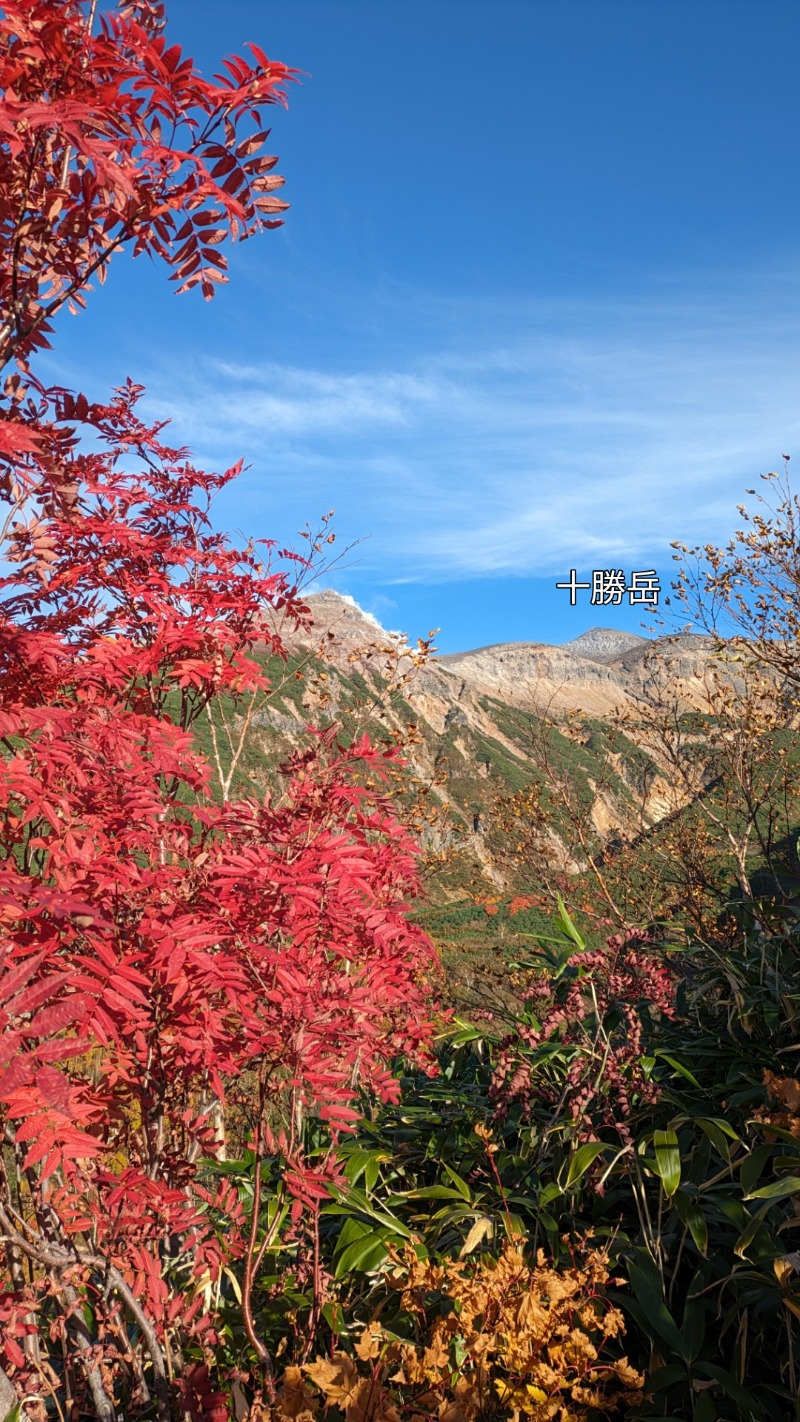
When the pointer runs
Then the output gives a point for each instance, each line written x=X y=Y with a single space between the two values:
x=158 y=942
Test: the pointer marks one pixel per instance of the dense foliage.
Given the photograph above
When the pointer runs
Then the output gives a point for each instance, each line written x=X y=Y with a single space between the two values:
x=249 y=1170
x=660 y=1127
x=157 y=946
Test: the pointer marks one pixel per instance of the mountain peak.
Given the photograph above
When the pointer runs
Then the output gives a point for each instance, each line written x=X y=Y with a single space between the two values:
x=340 y=614
x=605 y=644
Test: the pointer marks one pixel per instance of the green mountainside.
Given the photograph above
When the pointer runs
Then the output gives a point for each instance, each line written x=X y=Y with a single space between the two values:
x=531 y=770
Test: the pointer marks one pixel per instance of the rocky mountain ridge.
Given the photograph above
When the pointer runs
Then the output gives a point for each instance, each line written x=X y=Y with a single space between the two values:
x=601 y=671
x=472 y=722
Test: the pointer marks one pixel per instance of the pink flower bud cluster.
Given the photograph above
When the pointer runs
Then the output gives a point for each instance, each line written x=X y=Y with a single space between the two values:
x=598 y=1013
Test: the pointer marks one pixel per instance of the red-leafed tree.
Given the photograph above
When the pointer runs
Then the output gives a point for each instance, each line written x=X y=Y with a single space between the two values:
x=155 y=943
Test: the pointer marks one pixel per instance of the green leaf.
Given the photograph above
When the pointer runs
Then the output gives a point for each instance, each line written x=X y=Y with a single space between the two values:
x=777 y=1189
x=431 y=1192
x=705 y=1408
x=752 y=1167
x=334 y=1317
x=668 y=1160
x=365 y=1254
x=15 y=1415
x=666 y=1377
x=460 y=1184
x=690 y=1214
x=567 y=926
x=743 y=1399
x=717 y=1130
x=582 y=1159
x=351 y=1230
x=721 y=1125
x=465 y=1032
x=356 y=1164
x=734 y=1211
x=222 y=1167
x=779 y=1133
x=372 y=1171
x=512 y=1224
x=654 y=1315
x=678 y=1067
x=451 y=1214
x=550 y=1192
x=355 y=1202
x=459 y=1348
x=694 y=1316
x=750 y=1231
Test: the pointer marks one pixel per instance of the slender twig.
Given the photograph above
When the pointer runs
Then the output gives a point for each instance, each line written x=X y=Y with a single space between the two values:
x=259 y=1346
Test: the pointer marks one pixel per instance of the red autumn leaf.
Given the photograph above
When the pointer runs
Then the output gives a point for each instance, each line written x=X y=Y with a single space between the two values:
x=19 y=1073
x=160 y=946
x=17 y=439
x=59 y=1015
x=54 y=1088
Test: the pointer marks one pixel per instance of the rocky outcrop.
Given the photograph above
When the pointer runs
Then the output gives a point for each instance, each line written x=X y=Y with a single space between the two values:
x=604 y=644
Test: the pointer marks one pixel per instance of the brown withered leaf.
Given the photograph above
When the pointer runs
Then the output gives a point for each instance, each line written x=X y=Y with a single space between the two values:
x=785 y=1089
x=338 y=1379
x=436 y=1359
x=295 y=1399
x=368 y=1345
x=385 y=1411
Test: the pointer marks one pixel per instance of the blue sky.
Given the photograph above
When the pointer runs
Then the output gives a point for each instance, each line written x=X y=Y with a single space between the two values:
x=535 y=305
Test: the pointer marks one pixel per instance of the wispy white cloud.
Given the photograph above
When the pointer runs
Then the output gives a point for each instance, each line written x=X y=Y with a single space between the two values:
x=545 y=436
x=288 y=401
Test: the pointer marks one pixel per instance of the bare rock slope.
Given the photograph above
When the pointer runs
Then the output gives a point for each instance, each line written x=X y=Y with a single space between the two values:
x=476 y=712
x=596 y=673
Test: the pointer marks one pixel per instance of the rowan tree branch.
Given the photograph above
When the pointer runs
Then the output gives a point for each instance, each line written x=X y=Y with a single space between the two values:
x=59 y=1258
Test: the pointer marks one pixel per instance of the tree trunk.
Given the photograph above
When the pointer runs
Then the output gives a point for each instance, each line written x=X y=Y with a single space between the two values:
x=8 y=1395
